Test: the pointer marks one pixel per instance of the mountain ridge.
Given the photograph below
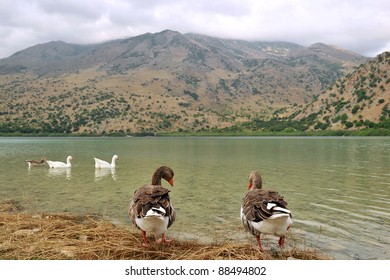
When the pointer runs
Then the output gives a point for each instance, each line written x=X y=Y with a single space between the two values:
x=165 y=81
x=59 y=50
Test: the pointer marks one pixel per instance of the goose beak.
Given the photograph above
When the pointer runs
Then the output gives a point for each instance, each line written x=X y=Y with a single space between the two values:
x=171 y=182
x=249 y=185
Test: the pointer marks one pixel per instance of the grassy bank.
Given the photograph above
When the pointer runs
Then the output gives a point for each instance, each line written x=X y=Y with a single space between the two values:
x=215 y=133
x=362 y=132
x=52 y=236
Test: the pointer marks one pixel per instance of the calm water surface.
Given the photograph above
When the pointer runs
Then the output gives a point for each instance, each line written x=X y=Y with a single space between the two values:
x=337 y=188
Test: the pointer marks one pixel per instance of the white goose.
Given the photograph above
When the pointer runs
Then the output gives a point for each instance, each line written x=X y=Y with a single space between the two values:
x=264 y=211
x=99 y=164
x=150 y=208
x=59 y=164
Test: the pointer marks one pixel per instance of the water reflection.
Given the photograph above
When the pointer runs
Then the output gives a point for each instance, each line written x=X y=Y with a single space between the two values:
x=60 y=172
x=101 y=173
x=32 y=169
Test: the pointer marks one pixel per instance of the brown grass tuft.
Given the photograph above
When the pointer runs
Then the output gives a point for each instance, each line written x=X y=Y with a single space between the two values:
x=25 y=236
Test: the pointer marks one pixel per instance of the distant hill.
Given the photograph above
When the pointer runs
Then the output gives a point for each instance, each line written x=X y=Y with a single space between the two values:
x=165 y=81
x=358 y=100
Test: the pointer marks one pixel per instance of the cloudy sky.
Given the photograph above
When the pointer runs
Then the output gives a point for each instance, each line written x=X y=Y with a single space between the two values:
x=362 y=26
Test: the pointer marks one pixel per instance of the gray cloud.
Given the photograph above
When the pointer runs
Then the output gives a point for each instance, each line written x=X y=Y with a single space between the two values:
x=362 y=26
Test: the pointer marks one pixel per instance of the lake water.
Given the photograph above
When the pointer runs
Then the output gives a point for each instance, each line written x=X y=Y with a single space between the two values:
x=338 y=188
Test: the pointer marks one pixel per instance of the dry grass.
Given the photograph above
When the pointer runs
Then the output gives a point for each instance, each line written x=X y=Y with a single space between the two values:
x=61 y=236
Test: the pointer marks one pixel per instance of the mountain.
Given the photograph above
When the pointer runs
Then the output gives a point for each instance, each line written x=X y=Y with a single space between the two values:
x=166 y=81
x=358 y=100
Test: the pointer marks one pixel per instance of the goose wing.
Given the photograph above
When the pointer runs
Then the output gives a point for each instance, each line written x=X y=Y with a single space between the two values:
x=148 y=197
x=260 y=204
x=53 y=164
x=101 y=163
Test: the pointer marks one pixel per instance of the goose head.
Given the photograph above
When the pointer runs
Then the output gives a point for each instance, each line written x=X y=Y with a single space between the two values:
x=163 y=172
x=255 y=181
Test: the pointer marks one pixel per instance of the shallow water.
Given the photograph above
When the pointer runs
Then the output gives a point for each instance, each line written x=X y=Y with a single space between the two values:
x=337 y=188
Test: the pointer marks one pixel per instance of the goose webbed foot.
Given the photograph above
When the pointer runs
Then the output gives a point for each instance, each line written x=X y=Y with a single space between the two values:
x=163 y=240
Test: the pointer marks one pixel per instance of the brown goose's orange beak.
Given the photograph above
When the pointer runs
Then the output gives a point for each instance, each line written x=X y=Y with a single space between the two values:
x=249 y=185
x=171 y=182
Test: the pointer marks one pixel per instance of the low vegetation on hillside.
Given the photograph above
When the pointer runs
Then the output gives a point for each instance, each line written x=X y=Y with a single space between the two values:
x=169 y=83
x=359 y=100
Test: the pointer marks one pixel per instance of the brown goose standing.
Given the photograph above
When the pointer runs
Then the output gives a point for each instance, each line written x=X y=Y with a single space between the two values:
x=150 y=208
x=264 y=211
x=33 y=162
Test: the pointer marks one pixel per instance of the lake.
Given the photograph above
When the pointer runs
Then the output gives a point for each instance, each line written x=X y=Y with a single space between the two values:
x=338 y=188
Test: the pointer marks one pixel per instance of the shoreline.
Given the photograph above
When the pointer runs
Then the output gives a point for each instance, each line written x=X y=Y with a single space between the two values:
x=59 y=236
x=367 y=132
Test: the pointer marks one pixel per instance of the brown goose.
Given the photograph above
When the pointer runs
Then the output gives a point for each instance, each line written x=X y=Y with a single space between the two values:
x=33 y=162
x=264 y=211
x=150 y=208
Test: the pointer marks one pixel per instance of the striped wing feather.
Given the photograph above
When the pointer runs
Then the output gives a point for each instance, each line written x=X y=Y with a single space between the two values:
x=256 y=201
x=150 y=196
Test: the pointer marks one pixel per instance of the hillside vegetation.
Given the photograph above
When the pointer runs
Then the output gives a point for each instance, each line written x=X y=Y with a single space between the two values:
x=168 y=82
x=358 y=100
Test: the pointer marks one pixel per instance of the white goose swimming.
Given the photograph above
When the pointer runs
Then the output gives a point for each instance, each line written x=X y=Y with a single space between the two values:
x=264 y=211
x=99 y=164
x=59 y=164
x=150 y=208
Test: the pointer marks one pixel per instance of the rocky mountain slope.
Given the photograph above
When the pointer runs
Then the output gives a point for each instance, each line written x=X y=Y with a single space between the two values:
x=165 y=81
x=358 y=100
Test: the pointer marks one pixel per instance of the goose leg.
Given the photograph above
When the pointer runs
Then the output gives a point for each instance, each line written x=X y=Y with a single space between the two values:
x=281 y=241
x=259 y=242
x=146 y=242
